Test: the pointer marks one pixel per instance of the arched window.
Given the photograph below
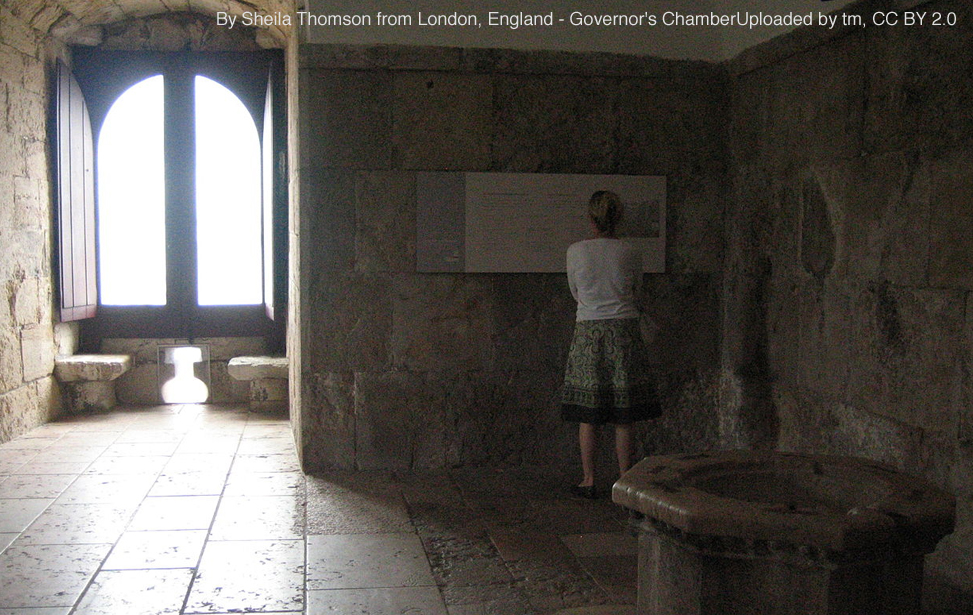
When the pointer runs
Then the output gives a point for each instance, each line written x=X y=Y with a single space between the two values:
x=189 y=204
x=228 y=195
x=131 y=198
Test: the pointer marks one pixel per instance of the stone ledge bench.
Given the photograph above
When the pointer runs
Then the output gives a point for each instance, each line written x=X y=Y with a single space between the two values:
x=89 y=379
x=268 y=380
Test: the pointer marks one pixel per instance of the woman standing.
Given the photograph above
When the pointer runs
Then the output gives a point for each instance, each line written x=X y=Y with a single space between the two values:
x=607 y=379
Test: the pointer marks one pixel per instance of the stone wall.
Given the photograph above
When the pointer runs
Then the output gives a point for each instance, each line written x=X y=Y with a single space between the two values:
x=849 y=265
x=28 y=393
x=406 y=370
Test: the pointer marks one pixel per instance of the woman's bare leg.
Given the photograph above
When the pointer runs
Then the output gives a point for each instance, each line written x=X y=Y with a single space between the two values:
x=587 y=437
x=623 y=447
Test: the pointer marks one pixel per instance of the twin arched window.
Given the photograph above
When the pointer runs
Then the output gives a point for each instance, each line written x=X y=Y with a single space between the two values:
x=191 y=194
x=131 y=182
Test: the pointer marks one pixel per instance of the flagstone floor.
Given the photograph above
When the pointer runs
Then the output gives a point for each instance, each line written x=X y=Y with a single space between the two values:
x=198 y=509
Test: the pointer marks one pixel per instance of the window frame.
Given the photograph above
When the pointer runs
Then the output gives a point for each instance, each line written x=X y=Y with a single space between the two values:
x=103 y=76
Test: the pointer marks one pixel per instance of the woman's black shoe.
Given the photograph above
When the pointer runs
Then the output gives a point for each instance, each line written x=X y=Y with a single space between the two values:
x=587 y=493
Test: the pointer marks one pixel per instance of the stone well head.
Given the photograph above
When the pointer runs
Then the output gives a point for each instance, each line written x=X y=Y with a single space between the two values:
x=781 y=531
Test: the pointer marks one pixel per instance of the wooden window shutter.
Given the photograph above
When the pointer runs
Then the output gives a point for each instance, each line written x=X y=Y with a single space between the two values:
x=274 y=198
x=77 y=264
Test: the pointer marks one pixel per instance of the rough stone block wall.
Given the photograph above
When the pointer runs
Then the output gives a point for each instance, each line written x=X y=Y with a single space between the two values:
x=405 y=370
x=29 y=395
x=847 y=297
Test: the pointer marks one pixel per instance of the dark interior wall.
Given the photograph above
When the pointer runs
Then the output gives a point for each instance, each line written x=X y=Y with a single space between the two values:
x=407 y=370
x=848 y=322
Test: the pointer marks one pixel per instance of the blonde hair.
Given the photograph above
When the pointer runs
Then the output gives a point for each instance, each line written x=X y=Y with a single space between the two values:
x=605 y=211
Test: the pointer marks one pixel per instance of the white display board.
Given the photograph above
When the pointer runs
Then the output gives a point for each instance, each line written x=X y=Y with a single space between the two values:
x=524 y=222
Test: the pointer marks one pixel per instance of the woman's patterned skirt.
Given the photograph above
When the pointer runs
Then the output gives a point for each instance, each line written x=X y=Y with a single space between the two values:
x=607 y=378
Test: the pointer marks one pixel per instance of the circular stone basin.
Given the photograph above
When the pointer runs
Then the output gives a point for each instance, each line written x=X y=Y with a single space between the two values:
x=830 y=503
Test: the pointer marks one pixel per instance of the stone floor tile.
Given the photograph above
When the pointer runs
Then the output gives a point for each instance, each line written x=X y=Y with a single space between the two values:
x=366 y=561
x=126 y=592
x=52 y=467
x=150 y=436
x=444 y=519
x=16 y=515
x=89 y=438
x=550 y=585
x=521 y=483
x=261 y=464
x=226 y=444
x=577 y=516
x=136 y=449
x=175 y=513
x=429 y=488
x=47 y=575
x=267 y=446
x=616 y=574
x=26 y=443
x=345 y=505
x=222 y=429
x=69 y=453
x=385 y=601
x=485 y=600
x=6 y=539
x=555 y=590
x=12 y=460
x=612 y=609
x=107 y=489
x=74 y=524
x=116 y=420
x=252 y=576
x=273 y=483
x=148 y=465
x=546 y=571
x=602 y=544
x=515 y=546
x=174 y=422
x=465 y=560
x=268 y=429
x=47 y=486
x=273 y=517
x=55 y=429
x=217 y=463
x=36 y=611
x=188 y=483
x=160 y=549
x=504 y=512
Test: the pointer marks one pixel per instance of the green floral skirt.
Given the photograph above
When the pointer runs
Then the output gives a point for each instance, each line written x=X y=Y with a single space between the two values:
x=607 y=378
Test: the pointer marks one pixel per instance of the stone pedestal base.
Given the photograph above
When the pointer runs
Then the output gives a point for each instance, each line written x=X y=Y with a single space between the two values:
x=773 y=533
x=711 y=577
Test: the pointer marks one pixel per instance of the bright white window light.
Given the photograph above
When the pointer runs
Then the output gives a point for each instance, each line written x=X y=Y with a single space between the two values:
x=131 y=198
x=184 y=387
x=228 y=211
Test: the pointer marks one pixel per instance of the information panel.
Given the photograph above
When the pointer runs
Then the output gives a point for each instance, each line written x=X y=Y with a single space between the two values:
x=524 y=222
